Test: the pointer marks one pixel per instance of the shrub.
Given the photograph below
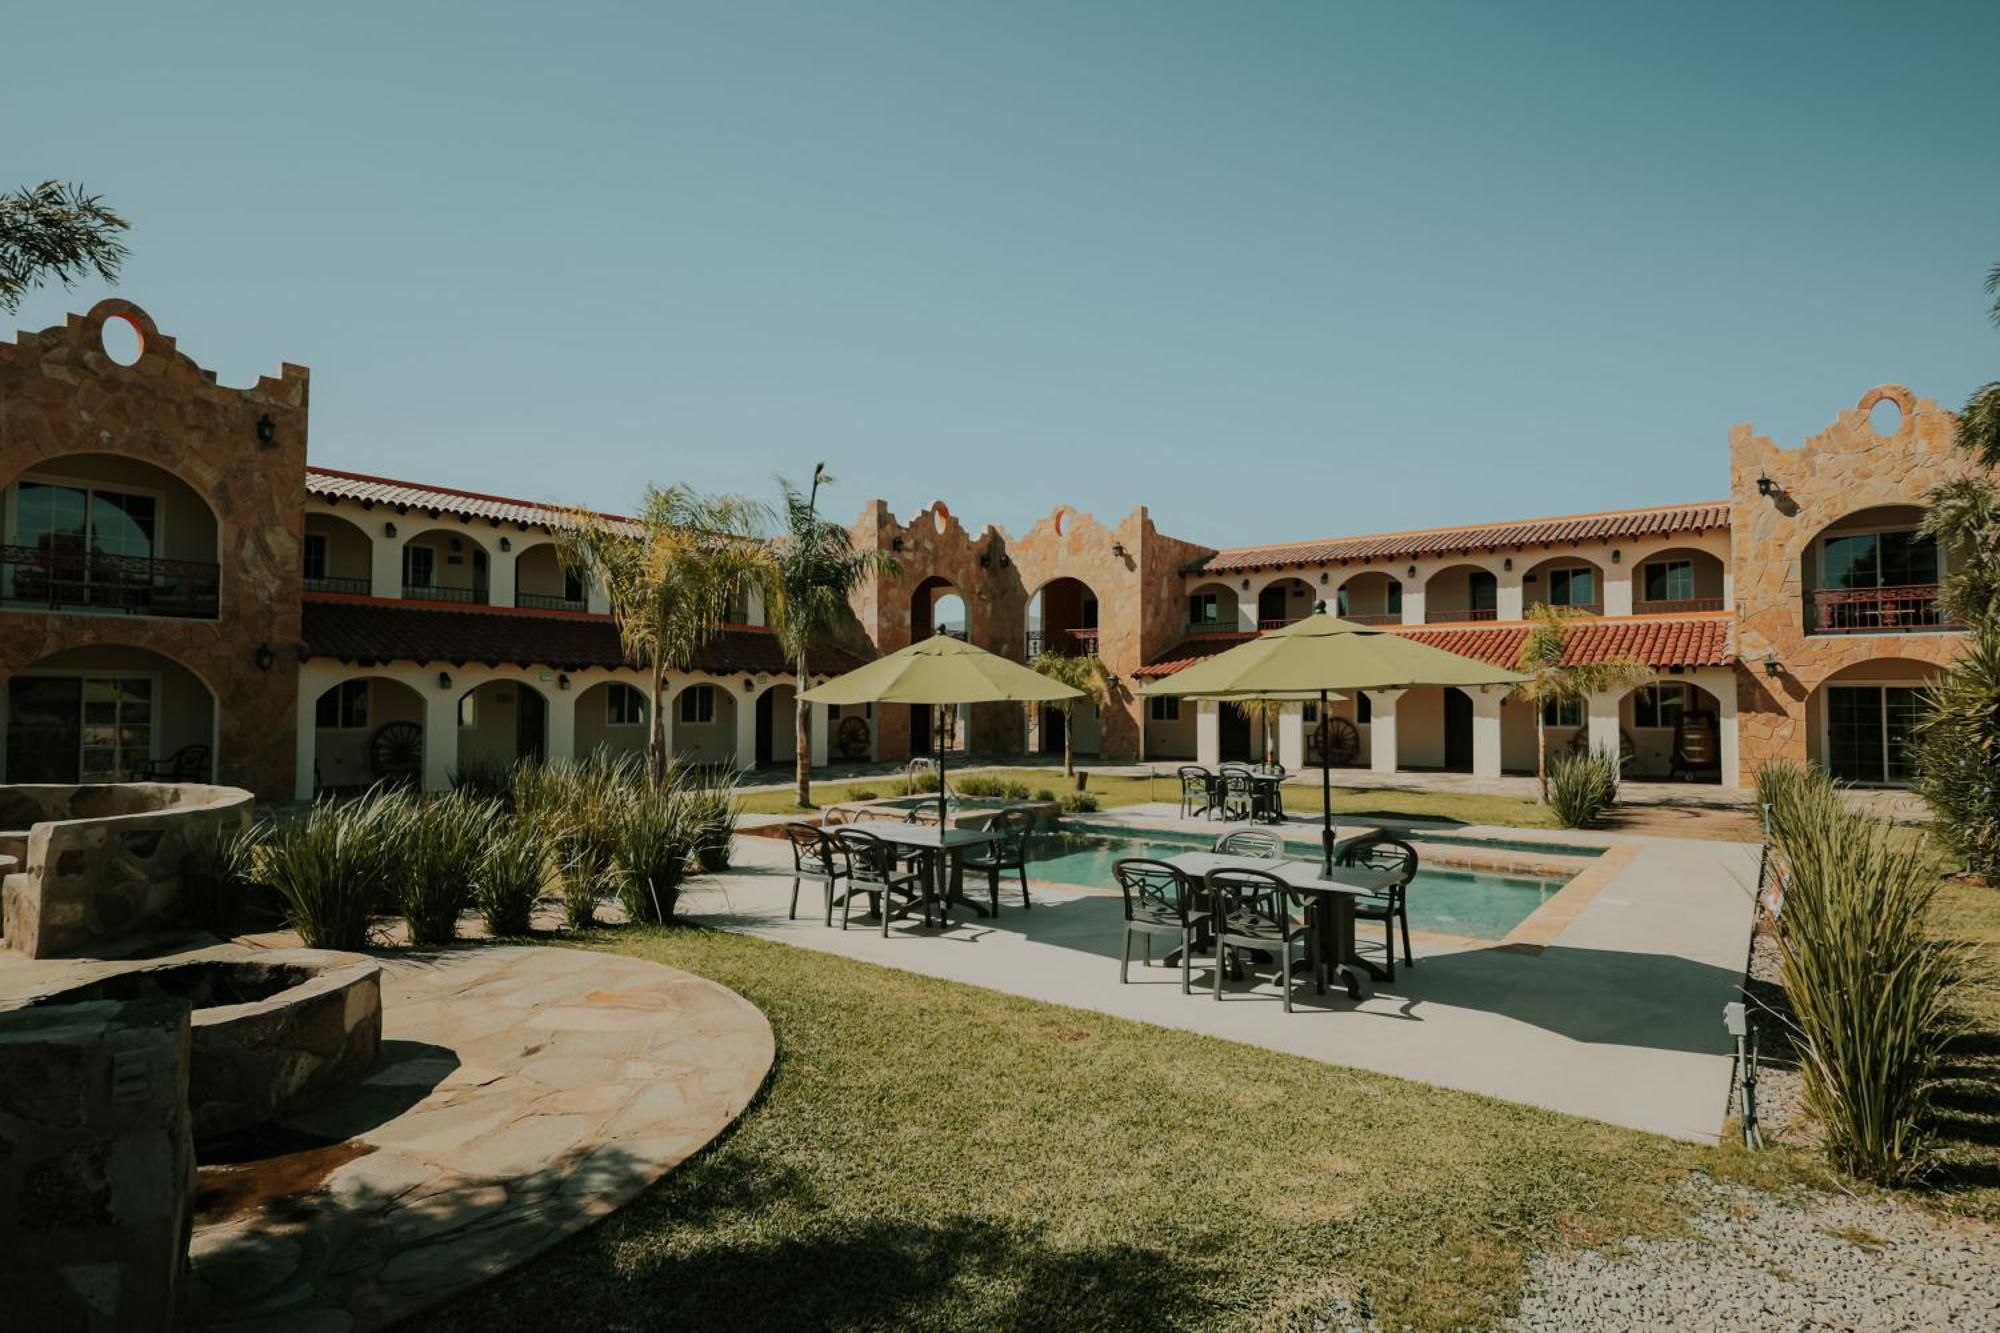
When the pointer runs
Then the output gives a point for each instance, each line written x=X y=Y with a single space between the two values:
x=975 y=784
x=862 y=794
x=714 y=811
x=1079 y=802
x=1871 y=993
x=331 y=866
x=1958 y=740
x=487 y=781
x=1582 y=787
x=576 y=806
x=656 y=837
x=216 y=873
x=511 y=874
x=1045 y=794
x=441 y=863
x=917 y=784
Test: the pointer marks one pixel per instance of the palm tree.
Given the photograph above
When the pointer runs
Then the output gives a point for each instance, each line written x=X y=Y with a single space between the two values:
x=1551 y=680
x=1267 y=711
x=1979 y=423
x=814 y=570
x=671 y=575
x=55 y=231
x=1963 y=516
x=1085 y=673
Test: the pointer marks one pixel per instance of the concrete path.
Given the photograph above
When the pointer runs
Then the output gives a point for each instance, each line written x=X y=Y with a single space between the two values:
x=1618 y=1016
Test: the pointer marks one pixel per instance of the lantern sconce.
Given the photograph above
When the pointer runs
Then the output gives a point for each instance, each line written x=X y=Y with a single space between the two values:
x=1413 y=571
x=1118 y=550
x=388 y=529
x=1507 y=564
x=1246 y=585
x=506 y=543
x=986 y=560
x=1773 y=667
x=266 y=659
x=444 y=680
x=1322 y=578
x=1005 y=562
x=267 y=432
x=562 y=681
x=1616 y=555
x=749 y=685
x=1765 y=485
x=895 y=543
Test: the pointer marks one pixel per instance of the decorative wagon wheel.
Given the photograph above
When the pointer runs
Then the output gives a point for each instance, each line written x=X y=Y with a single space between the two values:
x=1341 y=738
x=396 y=752
x=853 y=738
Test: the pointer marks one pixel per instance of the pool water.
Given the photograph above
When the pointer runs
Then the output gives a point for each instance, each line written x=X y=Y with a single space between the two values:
x=1475 y=903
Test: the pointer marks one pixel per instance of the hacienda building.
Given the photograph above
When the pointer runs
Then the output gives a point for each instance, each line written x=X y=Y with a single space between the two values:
x=186 y=596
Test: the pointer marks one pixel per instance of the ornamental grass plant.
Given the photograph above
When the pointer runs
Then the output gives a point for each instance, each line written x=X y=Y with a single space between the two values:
x=334 y=865
x=443 y=852
x=1582 y=787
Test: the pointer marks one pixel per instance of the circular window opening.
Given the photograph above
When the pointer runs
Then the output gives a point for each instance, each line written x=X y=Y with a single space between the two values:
x=122 y=340
x=1060 y=521
x=939 y=517
x=1886 y=417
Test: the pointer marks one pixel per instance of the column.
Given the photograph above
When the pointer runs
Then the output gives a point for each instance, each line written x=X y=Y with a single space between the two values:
x=1618 y=590
x=501 y=567
x=1413 y=598
x=562 y=722
x=1292 y=739
x=1208 y=734
x=1507 y=595
x=1382 y=725
x=1603 y=722
x=1486 y=702
x=817 y=731
x=310 y=689
x=746 y=724
x=440 y=733
x=1723 y=687
x=1246 y=610
x=385 y=572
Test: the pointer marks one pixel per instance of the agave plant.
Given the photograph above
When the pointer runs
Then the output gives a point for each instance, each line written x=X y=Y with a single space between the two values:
x=217 y=870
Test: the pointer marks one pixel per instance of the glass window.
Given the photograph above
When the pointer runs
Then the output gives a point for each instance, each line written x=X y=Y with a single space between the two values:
x=1483 y=590
x=419 y=566
x=1878 y=560
x=698 y=705
x=121 y=524
x=625 y=707
x=468 y=709
x=1660 y=705
x=1364 y=711
x=50 y=517
x=1669 y=581
x=573 y=588
x=315 y=555
x=1573 y=587
x=1204 y=608
x=1394 y=602
x=117 y=729
x=1562 y=713
x=344 y=707
x=1166 y=708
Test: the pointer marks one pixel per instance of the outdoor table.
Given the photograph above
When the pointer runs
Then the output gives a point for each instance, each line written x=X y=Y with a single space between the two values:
x=1335 y=892
x=949 y=843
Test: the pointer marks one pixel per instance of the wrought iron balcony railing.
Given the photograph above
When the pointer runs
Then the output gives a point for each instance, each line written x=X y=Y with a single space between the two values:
x=1441 y=615
x=87 y=581
x=1676 y=605
x=328 y=583
x=1892 y=610
x=1196 y=628
x=1077 y=642
x=431 y=592
x=541 y=601
x=1373 y=617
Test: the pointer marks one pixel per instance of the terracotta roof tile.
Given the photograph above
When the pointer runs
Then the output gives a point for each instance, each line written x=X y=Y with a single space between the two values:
x=1488 y=536
x=328 y=484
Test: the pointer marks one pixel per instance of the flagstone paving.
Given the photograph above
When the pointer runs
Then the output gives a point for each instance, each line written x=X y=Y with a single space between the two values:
x=522 y=1093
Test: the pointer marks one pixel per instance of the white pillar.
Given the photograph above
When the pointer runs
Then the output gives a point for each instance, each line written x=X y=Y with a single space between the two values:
x=1507 y=595
x=1413 y=599
x=594 y=598
x=746 y=724
x=1728 y=591
x=562 y=723
x=816 y=728
x=1292 y=739
x=1618 y=591
x=501 y=566
x=1723 y=687
x=440 y=734
x=1603 y=723
x=1486 y=730
x=385 y=572
x=1382 y=726
x=1208 y=734
x=1246 y=610
x=308 y=736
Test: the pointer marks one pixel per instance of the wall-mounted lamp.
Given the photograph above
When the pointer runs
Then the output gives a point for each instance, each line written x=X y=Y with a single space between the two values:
x=1118 y=549
x=1005 y=563
x=985 y=560
x=457 y=545
x=388 y=529
x=1615 y=555
x=1773 y=667
x=506 y=544
x=1508 y=564
x=1765 y=485
x=562 y=681
x=267 y=432
x=1322 y=577
x=1246 y=585
x=444 y=680
x=1413 y=572
x=265 y=658
x=1111 y=680
x=749 y=685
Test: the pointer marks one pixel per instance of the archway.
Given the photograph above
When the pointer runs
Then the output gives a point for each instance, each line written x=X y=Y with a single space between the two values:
x=337 y=557
x=777 y=737
x=1674 y=730
x=1282 y=601
x=107 y=714
x=703 y=724
x=613 y=717
x=106 y=533
x=1859 y=722
x=1212 y=608
x=1434 y=730
x=445 y=565
x=1370 y=598
x=1564 y=581
x=367 y=729
x=1677 y=579
x=501 y=722
x=540 y=581
x=1872 y=572
x=937 y=607
x=1062 y=618
x=1461 y=592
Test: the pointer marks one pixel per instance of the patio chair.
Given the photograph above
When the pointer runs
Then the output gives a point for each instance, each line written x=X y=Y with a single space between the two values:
x=1159 y=900
x=1252 y=909
x=187 y=764
x=816 y=856
x=1270 y=768
x=1197 y=791
x=1238 y=794
x=1008 y=852
x=1392 y=904
x=1260 y=843
x=875 y=871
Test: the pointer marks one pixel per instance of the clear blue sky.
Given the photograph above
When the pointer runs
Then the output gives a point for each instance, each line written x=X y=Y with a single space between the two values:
x=1277 y=270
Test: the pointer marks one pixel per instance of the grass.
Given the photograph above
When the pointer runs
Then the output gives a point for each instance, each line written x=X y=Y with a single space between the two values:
x=1967 y=1179
x=1112 y=792
x=928 y=1155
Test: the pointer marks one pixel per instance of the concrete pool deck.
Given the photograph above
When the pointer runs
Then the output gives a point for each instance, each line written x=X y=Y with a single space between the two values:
x=1615 y=1013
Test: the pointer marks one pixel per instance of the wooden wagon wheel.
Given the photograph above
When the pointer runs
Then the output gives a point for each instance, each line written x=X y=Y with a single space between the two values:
x=1341 y=738
x=396 y=752
x=853 y=738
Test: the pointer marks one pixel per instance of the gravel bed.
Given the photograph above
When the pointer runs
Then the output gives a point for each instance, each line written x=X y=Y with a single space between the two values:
x=1766 y=1262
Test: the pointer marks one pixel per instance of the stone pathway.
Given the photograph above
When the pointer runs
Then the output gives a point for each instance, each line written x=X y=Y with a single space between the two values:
x=522 y=1093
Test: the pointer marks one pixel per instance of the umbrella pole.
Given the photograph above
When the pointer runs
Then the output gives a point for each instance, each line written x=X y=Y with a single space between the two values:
x=1325 y=793
x=937 y=739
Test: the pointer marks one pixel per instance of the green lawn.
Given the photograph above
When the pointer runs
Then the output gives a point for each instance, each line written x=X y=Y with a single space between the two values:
x=1116 y=791
x=928 y=1155
x=1968 y=1178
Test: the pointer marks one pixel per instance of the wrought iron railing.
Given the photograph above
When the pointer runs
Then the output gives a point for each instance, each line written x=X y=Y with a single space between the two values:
x=1441 y=615
x=327 y=583
x=1196 y=628
x=1891 y=610
x=82 y=580
x=1277 y=622
x=1676 y=605
x=1078 y=642
x=542 y=601
x=1587 y=608
x=431 y=592
x=1373 y=617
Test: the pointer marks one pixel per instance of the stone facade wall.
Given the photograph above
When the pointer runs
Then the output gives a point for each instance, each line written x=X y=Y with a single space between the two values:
x=61 y=394
x=1843 y=469
x=102 y=862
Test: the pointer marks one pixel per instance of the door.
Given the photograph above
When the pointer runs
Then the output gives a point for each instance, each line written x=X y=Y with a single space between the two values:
x=1235 y=734
x=1868 y=733
x=531 y=714
x=1053 y=726
x=764 y=722
x=1457 y=731
x=44 y=728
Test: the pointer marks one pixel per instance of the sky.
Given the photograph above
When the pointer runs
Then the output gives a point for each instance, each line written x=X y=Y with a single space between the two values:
x=1276 y=271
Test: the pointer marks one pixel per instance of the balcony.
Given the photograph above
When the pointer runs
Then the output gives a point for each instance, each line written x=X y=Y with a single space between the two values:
x=431 y=592
x=83 y=581
x=327 y=583
x=1371 y=617
x=540 y=601
x=1582 y=608
x=1078 y=642
x=1279 y=622
x=1454 y=615
x=1901 y=609
x=1676 y=606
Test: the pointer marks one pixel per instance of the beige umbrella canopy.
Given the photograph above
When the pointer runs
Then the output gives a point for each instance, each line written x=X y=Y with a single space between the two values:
x=1315 y=656
x=941 y=671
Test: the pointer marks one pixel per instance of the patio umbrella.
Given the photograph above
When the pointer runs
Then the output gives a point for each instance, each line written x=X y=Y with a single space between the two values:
x=1316 y=656
x=941 y=671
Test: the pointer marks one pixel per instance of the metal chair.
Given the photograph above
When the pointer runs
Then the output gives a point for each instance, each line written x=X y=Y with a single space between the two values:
x=187 y=764
x=1391 y=905
x=1260 y=843
x=874 y=871
x=1159 y=900
x=1238 y=796
x=816 y=856
x=1007 y=852
x=1252 y=909
x=1197 y=791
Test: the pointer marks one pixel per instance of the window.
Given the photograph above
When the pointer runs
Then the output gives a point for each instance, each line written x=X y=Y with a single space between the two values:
x=1562 y=713
x=60 y=520
x=1573 y=587
x=573 y=589
x=419 y=566
x=1166 y=708
x=1089 y=613
x=468 y=709
x=1364 y=711
x=698 y=705
x=1868 y=732
x=117 y=728
x=315 y=556
x=344 y=707
x=1204 y=608
x=1668 y=581
x=1661 y=705
x=1482 y=591
x=624 y=706
x=1878 y=560
x=1309 y=714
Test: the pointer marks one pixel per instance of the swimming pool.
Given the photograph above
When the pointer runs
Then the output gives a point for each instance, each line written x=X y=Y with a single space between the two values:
x=1475 y=903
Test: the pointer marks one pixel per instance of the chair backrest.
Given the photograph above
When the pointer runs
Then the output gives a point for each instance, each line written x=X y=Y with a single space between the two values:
x=1235 y=779
x=1194 y=779
x=189 y=763
x=1235 y=887
x=1384 y=853
x=1154 y=885
x=1271 y=769
x=870 y=857
x=811 y=848
x=1261 y=843
x=1013 y=826
x=923 y=814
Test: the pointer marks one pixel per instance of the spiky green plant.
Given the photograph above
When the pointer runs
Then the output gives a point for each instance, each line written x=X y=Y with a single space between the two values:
x=715 y=809
x=1958 y=752
x=1551 y=678
x=217 y=870
x=512 y=871
x=1581 y=787
x=655 y=839
x=335 y=865
x=1086 y=673
x=445 y=846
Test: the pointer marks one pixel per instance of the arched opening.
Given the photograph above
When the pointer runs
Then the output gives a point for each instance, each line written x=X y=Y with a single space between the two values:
x=367 y=729
x=541 y=581
x=1372 y=598
x=1461 y=592
x=1062 y=618
x=1564 y=581
x=445 y=565
x=937 y=607
x=1860 y=721
x=777 y=738
x=1872 y=572
x=613 y=717
x=1347 y=732
x=108 y=714
x=1434 y=730
x=501 y=722
x=1212 y=609
x=1678 y=579
x=1671 y=729
x=337 y=556
x=97 y=532
x=703 y=723
x=1283 y=601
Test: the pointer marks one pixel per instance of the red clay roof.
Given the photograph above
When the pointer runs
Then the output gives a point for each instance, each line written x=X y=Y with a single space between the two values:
x=1478 y=537
x=329 y=484
x=370 y=632
x=1683 y=641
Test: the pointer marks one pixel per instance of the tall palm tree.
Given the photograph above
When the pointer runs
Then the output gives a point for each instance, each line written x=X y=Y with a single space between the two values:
x=814 y=570
x=1266 y=711
x=1551 y=680
x=55 y=231
x=1085 y=673
x=671 y=575
x=1963 y=516
x=1979 y=423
